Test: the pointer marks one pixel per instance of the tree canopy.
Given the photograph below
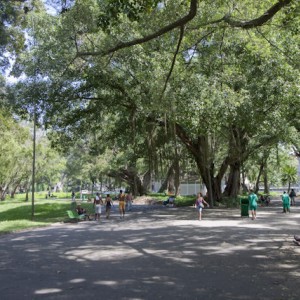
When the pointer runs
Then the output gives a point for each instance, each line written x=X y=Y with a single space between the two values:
x=218 y=77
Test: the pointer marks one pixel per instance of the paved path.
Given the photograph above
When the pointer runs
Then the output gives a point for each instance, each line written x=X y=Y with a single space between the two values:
x=158 y=253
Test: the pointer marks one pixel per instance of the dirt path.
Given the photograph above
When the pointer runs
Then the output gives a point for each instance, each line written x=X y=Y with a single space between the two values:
x=157 y=253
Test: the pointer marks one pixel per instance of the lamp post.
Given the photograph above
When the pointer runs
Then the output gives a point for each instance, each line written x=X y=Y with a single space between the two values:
x=33 y=162
x=34 y=134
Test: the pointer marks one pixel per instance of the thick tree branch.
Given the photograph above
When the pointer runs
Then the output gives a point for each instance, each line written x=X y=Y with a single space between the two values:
x=183 y=136
x=268 y=15
x=174 y=59
x=179 y=23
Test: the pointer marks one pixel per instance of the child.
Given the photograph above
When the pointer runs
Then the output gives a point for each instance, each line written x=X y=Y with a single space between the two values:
x=199 y=204
x=108 y=205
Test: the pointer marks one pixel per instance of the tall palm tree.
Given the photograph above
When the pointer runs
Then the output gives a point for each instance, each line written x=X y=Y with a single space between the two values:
x=289 y=175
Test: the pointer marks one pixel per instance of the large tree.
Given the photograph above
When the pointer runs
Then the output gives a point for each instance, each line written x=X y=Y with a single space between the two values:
x=216 y=62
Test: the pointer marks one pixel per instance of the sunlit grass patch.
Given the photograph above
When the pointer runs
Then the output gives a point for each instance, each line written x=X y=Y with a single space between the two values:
x=16 y=215
x=11 y=226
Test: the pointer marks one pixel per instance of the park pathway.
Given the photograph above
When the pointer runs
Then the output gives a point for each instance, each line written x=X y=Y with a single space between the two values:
x=157 y=253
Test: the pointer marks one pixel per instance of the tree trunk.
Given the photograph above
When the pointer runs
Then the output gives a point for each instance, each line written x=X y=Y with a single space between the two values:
x=169 y=182
x=201 y=151
x=2 y=194
x=261 y=169
x=266 y=181
x=4 y=191
x=13 y=191
x=233 y=184
x=130 y=177
x=238 y=141
x=27 y=195
x=147 y=180
x=243 y=184
x=176 y=175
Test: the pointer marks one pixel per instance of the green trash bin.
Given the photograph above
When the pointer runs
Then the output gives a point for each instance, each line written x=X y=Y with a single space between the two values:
x=244 y=207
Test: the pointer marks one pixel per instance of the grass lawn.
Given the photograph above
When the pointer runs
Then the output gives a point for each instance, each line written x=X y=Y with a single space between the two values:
x=17 y=214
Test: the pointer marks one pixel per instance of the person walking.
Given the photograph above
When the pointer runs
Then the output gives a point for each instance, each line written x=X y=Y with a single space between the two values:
x=285 y=202
x=129 y=201
x=97 y=206
x=252 y=204
x=108 y=205
x=121 y=198
x=73 y=196
x=199 y=204
x=292 y=196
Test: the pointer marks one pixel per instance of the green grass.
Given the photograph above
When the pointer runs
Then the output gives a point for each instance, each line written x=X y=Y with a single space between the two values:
x=17 y=214
x=40 y=195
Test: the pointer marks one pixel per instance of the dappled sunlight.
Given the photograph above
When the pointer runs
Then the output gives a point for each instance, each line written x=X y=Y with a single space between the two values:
x=223 y=224
x=171 y=255
x=31 y=236
x=266 y=240
x=223 y=248
x=162 y=216
x=164 y=280
x=260 y=256
x=297 y=250
x=103 y=253
x=285 y=266
x=295 y=273
x=135 y=240
x=77 y=280
x=33 y=250
x=47 y=291
x=159 y=251
x=113 y=283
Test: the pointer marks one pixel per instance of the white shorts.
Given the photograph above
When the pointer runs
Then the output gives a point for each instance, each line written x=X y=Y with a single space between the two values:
x=98 y=209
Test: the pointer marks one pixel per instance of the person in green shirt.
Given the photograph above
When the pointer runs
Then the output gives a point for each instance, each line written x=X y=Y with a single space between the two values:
x=285 y=202
x=252 y=204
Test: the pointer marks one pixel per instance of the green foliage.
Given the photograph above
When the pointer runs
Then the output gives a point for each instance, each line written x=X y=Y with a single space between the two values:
x=277 y=158
x=230 y=87
x=232 y=202
x=185 y=201
x=11 y=36
x=14 y=150
x=133 y=9
x=289 y=174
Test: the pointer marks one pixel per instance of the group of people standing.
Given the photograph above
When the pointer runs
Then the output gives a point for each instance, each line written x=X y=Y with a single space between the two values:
x=125 y=201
